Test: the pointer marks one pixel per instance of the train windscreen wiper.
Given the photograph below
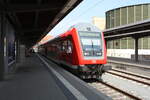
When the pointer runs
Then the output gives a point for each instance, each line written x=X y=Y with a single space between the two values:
x=92 y=47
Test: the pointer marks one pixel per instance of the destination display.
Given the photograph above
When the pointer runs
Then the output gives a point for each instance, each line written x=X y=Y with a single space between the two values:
x=89 y=34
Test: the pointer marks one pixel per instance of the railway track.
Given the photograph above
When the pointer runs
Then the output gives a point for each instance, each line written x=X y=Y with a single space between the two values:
x=131 y=76
x=113 y=92
x=117 y=93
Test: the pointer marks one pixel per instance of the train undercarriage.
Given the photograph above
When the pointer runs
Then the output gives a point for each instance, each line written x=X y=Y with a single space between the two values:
x=92 y=71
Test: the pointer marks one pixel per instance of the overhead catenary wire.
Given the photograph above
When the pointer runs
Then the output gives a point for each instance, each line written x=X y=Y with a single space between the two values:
x=81 y=13
x=88 y=9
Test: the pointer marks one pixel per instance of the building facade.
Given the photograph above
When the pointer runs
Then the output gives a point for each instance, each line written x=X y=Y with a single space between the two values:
x=128 y=15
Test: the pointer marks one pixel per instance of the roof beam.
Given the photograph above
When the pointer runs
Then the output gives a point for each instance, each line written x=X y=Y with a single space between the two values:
x=32 y=30
x=37 y=14
x=29 y=37
x=7 y=1
x=129 y=26
x=128 y=34
x=12 y=16
x=30 y=8
x=63 y=12
x=2 y=5
x=66 y=8
x=15 y=20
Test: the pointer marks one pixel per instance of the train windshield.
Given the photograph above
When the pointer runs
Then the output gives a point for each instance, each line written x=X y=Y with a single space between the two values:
x=91 y=43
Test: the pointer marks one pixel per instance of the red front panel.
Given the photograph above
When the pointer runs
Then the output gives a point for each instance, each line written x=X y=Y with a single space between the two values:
x=78 y=52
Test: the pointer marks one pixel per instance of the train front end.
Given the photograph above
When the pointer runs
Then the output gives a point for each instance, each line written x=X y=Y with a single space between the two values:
x=92 y=55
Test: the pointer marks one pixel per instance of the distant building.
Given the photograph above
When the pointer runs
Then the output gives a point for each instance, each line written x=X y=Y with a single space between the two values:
x=124 y=16
x=99 y=22
x=127 y=15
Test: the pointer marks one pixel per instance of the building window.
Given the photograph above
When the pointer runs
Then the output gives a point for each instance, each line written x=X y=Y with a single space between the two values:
x=124 y=43
x=130 y=43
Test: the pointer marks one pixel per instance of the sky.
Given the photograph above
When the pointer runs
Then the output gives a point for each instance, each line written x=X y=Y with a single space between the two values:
x=88 y=9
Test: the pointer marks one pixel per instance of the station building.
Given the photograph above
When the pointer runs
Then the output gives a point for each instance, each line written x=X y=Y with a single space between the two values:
x=125 y=24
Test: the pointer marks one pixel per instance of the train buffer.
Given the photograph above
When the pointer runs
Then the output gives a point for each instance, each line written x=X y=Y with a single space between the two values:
x=37 y=79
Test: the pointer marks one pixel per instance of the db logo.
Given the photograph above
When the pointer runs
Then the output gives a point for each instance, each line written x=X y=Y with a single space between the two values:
x=93 y=61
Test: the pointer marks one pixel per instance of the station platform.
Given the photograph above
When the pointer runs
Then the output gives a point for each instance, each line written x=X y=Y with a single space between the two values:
x=130 y=62
x=39 y=79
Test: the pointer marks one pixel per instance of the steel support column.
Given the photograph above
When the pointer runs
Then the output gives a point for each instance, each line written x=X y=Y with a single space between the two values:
x=136 y=49
x=17 y=51
x=2 y=38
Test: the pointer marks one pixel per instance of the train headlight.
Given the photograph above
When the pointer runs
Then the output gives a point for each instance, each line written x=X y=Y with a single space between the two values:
x=99 y=53
x=86 y=53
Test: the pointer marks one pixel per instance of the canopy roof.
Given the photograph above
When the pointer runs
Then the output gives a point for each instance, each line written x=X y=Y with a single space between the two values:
x=33 y=19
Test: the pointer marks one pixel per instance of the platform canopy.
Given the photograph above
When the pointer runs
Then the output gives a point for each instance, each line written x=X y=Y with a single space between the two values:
x=136 y=30
x=33 y=19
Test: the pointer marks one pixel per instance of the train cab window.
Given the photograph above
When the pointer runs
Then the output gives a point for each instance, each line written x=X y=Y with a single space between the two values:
x=91 y=43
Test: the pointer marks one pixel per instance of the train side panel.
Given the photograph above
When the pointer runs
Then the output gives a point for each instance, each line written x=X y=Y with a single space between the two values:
x=77 y=48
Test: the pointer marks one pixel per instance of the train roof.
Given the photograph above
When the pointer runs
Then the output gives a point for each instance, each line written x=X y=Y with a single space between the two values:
x=85 y=27
x=78 y=27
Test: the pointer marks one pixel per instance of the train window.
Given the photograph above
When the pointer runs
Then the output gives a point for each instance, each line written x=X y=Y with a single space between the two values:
x=64 y=46
x=69 y=49
x=91 y=41
x=59 y=46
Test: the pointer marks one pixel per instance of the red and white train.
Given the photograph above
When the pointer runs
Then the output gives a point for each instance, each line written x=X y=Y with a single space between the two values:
x=82 y=48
